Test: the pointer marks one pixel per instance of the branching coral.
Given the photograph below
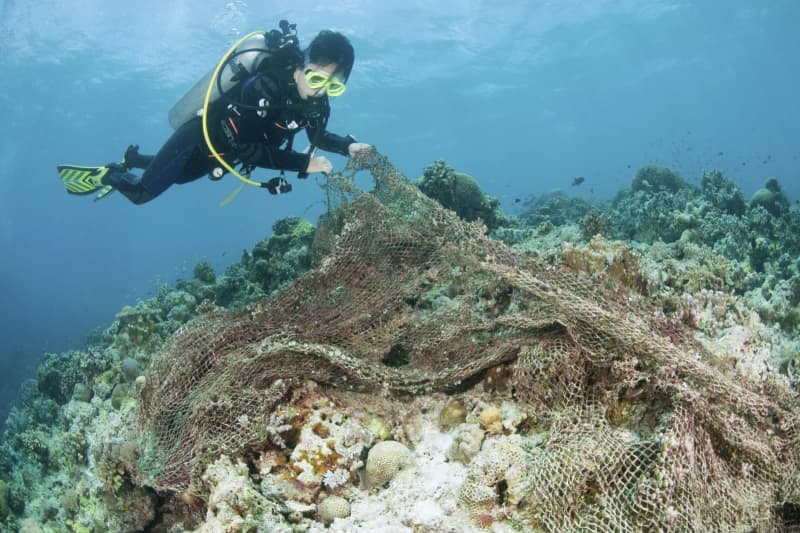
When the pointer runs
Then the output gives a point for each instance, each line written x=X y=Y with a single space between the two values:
x=555 y=208
x=722 y=194
x=33 y=443
x=111 y=473
x=595 y=223
x=284 y=255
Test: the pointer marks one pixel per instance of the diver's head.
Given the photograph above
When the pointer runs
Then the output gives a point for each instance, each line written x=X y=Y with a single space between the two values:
x=330 y=47
x=328 y=61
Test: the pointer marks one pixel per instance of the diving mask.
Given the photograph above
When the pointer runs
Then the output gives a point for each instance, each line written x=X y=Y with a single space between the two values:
x=318 y=80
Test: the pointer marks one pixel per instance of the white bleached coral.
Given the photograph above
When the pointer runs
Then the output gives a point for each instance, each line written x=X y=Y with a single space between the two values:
x=234 y=504
x=333 y=507
x=467 y=441
x=498 y=476
x=335 y=478
x=421 y=497
x=384 y=461
x=328 y=448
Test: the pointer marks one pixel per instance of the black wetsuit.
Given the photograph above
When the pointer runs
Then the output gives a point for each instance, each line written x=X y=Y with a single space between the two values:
x=242 y=131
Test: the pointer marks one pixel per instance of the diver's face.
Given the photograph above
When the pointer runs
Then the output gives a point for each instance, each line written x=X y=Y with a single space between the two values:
x=300 y=79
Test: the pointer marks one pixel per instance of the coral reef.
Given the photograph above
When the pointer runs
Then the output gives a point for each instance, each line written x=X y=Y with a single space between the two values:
x=204 y=273
x=554 y=208
x=595 y=223
x=498 y=478
x=283 y=256
x=724 y=195
x=486 y=447
x=72 y=474
x=467 y=441
x=605 y=378
x=748 y=247
x=491 y=420
x=70 y=441
x=59 y=374
x=454 y=413
x=653 y=208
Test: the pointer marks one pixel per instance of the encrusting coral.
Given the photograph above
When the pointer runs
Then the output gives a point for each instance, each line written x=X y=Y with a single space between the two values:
x=498 y=478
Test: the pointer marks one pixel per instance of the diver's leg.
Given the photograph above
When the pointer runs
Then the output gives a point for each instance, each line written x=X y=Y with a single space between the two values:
x=133 y=159
x=128 y=184
x=168 y=166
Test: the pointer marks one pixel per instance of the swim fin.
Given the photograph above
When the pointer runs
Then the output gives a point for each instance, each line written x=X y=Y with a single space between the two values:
x=82 y=180
x=85 y=180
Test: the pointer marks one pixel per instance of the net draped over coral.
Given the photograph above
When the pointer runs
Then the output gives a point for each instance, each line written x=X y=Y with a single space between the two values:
x=641 y=427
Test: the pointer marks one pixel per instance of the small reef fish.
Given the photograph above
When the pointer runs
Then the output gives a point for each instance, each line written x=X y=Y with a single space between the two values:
x=577 y=181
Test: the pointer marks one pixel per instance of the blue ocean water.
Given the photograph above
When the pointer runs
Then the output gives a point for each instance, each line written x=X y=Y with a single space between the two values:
x=524 y=97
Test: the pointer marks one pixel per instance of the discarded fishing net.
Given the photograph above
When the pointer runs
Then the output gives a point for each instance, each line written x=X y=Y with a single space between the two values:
x=646 y=430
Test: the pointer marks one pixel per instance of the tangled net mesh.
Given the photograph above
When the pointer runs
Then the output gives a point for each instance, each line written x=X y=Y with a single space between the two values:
x=644 y=429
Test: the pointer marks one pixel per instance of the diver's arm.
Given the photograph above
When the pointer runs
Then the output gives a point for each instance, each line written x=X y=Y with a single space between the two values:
x=261 y=155
x=330 y=142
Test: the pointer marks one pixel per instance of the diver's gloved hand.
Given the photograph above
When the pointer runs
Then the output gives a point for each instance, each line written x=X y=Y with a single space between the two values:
x=356 y=149
x=318 y=164
x=278 y=186
x=361 y=155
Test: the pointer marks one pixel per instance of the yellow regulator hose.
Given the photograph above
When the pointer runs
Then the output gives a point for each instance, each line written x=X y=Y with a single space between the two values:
x=207 y=100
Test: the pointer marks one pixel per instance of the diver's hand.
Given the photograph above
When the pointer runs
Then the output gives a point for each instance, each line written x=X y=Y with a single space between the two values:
x=357 y=149
x=319 y=164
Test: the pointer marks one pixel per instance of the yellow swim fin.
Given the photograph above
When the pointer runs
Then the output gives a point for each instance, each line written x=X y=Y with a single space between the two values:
x=85 y=180
x=82 y=180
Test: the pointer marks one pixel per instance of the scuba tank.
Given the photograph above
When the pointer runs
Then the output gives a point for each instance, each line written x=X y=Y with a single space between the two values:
x=244 y=61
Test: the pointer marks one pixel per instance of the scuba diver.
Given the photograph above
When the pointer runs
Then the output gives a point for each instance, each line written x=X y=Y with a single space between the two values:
x=246 y=112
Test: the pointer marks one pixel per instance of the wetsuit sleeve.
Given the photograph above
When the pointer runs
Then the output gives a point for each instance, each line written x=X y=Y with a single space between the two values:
x=261 y=155
x=330 y=142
